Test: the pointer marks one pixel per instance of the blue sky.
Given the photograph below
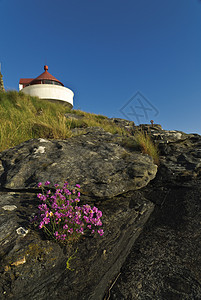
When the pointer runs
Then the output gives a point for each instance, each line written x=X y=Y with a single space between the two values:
x=136 y=59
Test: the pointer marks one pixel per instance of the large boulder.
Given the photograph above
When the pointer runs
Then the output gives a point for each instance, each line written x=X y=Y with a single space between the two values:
x=33 y=267
x=95 y=160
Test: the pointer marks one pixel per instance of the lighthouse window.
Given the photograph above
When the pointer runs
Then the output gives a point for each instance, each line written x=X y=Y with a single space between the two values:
x=50 y=82
x=47 y=82
x=57 y=83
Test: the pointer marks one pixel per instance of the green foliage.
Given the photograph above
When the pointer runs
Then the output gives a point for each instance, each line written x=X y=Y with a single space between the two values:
x=68 y=261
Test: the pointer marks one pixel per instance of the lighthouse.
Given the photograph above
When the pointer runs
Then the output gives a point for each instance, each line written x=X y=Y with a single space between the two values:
x=46 y=86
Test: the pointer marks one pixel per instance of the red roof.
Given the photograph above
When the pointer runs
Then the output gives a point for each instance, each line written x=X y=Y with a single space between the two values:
x=45 y=76
x=25 y=80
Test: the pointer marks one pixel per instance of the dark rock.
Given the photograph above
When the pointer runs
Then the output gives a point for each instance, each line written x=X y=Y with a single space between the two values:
x=127 y=125
x=151 y=245
x=41 y=272
x=165 y=261
x=148 y=127
x=32 y=267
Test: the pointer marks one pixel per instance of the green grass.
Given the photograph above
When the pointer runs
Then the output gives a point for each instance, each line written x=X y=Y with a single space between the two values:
x=23 y=117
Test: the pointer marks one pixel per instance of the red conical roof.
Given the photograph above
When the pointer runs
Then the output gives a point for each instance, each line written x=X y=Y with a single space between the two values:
x=45 y=76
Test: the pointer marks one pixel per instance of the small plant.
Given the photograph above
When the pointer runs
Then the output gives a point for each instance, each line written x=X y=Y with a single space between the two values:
x=61 y=217
x=68 y=261
x=147 y=145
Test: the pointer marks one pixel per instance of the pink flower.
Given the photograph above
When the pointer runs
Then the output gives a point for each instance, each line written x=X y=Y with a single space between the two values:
x=98 y=223
x=60 y=211
x=99 y=214
x=86 y=219
x=101 y=232
x=41 y=225
x=46 y=220
x=70 y=230
x=95 y=209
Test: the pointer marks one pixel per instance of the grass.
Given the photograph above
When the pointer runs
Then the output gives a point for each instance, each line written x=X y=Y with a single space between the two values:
x=93 y=120
x=147 y=145
x=23 y=117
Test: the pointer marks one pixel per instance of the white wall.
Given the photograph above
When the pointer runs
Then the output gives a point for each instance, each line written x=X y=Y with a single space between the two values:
x=20 y=86
x=50 y=91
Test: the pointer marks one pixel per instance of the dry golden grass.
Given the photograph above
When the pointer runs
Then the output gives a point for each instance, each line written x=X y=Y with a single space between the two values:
x=24 y=117
x=147 y=145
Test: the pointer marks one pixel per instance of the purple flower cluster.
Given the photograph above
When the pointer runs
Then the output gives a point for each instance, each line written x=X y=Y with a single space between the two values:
x=61 y=216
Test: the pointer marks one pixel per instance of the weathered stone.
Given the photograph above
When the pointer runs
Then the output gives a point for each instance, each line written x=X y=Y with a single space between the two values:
x=94 y=160
x=162 y=263
x=165 y=261
x=34 y=268
x=128 y=125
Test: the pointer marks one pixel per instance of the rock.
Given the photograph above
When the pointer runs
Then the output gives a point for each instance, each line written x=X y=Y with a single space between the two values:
x=165 y=261
x=151 y=219
x=94 y=160
x=128 y=125
x=33 y=267
x=150 y=127
x=74 y=117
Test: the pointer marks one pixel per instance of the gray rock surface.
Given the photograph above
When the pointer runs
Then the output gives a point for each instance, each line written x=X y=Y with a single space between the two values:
x=165 y=262
x=32 y=267
x=152 y=219
x=94 y=160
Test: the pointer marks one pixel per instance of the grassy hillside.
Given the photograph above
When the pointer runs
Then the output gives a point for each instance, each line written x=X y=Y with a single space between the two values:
x=23 y=117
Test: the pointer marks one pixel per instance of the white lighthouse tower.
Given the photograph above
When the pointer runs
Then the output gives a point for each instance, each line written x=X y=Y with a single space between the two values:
x=46 y=86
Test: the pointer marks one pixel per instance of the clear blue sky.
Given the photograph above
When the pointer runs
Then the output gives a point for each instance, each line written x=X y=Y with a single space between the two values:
x=107 y=51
